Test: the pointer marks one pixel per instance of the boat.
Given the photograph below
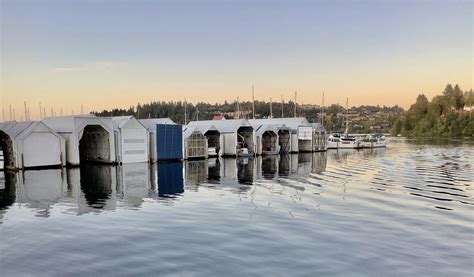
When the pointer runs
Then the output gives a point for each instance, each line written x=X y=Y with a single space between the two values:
x=344 y=141
x=337 y=141
x=374 y=141
x=244 y=152
x=211 y=152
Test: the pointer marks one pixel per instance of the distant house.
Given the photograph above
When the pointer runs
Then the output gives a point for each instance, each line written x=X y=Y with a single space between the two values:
x=218 y=117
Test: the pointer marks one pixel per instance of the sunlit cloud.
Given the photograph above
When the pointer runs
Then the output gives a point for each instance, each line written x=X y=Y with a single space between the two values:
x=92 y=67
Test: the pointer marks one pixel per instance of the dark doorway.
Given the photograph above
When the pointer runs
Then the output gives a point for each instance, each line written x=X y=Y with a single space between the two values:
x=94 y=146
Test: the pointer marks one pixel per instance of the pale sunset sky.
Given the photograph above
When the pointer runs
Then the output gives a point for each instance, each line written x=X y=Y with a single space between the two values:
x=106 y=54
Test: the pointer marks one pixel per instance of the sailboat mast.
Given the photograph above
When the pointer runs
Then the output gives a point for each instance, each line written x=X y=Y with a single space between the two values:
x=296 y=94
x=282 y=115
x=347 y=116
x=322 y=110
x=238 y=108
x=185 y=111
x=271 y=109
x=253 y=103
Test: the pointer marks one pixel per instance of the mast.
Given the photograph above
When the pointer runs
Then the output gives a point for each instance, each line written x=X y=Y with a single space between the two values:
x=271 y=110
x=253 y=103
x=41 y=111
x=322 y=110
x=26 y=111
x=185 y=112
x=238 y=108
x=282 y=115
x=296 y=94
x=11 y=116
x=347 y=116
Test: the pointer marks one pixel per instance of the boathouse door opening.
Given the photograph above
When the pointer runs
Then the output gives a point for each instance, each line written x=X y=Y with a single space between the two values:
x=245 y=141
x=269 y=143
x=7 y=148
x=94 y=145
x=214 y=141
x=284 y=138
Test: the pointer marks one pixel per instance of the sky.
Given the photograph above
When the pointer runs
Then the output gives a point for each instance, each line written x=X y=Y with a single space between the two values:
x=104 y=54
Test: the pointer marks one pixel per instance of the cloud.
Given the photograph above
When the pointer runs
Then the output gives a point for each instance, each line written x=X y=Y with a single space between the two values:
x=92 y=67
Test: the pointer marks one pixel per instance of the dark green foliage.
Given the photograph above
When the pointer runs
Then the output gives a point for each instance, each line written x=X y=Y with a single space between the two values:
x=444 y=116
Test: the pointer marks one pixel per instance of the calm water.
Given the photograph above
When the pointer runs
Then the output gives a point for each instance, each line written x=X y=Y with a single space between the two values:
x=404 y=210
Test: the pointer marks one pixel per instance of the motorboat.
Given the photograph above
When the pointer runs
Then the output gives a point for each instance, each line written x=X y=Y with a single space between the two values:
x=244 y=152
x=336 y=141
x=374 y=141
x=212 y=152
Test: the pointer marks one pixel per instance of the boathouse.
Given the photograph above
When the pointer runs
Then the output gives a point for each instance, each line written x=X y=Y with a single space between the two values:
x=88 y=138
x=319 y=137
x=195 y=143
x=288 y=132
x=131 y=140
x=150 y=125
x=267 y=139
x=31 y=144
x=234 y=137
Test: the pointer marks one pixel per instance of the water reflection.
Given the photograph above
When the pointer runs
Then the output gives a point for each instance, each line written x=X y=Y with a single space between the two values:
x=245 y=170
x=197 y=172
x=97 y=188
x=8 y=185
x=41 y=189
x=170 y=179
x=269 y=166
x=133 y=183
x=96 y=185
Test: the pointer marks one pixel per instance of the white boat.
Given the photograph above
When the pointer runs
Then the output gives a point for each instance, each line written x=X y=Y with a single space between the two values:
x=244 y=152
x=211 y=152
x=335 y=141
x=374 y=141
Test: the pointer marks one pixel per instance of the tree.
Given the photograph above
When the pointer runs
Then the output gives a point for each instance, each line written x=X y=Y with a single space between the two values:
x=420 y=108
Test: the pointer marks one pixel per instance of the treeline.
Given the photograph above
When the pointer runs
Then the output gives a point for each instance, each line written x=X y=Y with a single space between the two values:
x=446 y=115
x=333 y=120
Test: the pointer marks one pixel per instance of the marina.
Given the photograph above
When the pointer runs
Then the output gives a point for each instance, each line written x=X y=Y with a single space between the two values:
x=390 y=205
x=74 y=140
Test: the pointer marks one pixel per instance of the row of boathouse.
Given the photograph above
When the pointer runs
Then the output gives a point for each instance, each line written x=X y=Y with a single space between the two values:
x=72 y=140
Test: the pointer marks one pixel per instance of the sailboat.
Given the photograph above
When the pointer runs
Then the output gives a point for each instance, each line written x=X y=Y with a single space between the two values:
x=343 y=141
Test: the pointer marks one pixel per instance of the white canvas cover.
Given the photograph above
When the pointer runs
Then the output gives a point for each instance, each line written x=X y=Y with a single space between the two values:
x=35 y=144
x=291 y=122
x=131 y=140
x=71 y=128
